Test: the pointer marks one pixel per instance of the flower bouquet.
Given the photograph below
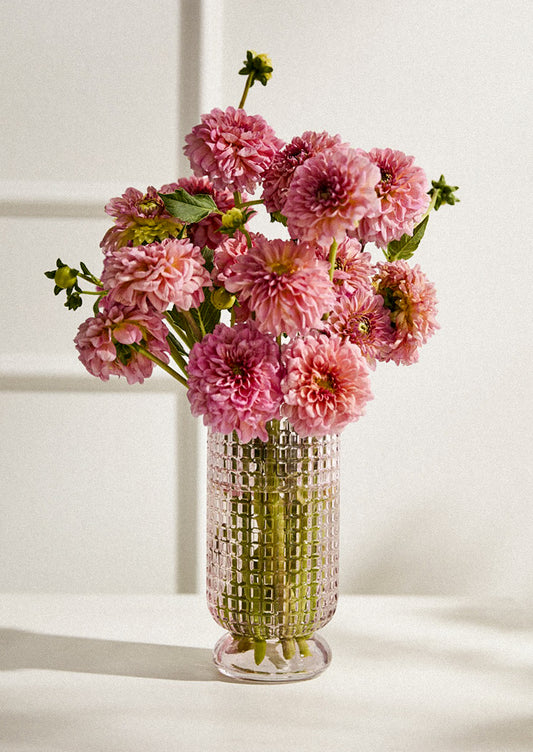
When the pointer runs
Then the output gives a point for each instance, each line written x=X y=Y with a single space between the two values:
x=274 y=339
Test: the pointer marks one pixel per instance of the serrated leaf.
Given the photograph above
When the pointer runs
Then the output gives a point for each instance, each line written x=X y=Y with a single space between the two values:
x=189 y=209
x=407 y=244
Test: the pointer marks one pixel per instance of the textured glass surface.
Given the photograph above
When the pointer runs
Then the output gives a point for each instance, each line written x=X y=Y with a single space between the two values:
x=272 y=537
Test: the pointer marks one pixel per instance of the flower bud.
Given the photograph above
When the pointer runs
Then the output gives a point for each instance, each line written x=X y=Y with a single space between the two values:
x=259 y=67
x=222 y=299
x=65 y=277
x=233 y=219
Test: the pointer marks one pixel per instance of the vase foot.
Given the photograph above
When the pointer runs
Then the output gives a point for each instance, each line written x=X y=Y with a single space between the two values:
x=271 y=660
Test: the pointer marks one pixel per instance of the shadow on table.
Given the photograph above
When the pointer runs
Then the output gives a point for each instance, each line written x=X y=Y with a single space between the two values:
x=20 y=649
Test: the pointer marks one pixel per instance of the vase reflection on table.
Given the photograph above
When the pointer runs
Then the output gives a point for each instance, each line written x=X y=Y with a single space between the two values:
x=272 y=551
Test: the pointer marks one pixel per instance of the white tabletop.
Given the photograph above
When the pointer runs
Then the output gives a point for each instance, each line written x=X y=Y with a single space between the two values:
x=134 y=674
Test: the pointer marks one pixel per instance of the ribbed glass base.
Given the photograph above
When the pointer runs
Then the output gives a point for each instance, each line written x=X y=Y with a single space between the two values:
x=271 y=660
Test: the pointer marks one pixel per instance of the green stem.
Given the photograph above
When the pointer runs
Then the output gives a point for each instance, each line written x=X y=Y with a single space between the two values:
x=430 y=208
x=91 y=292
x=247 y=236
x=276 y=504
x=161 y=363
x=93 y=280
x=247 y=85
x=251 y=203
x=331 y=259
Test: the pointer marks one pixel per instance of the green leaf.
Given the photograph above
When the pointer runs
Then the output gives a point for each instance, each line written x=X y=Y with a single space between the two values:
x=187 y=208
x=177 y=351
x=210 y=315
x=208 y=254
x=278 y=217
x=407 y=244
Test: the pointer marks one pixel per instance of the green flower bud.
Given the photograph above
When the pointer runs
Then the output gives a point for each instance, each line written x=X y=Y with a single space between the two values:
x=221 y=299
x=233 y=219
x=65 y=277
x=442 y=193
x=258 y=66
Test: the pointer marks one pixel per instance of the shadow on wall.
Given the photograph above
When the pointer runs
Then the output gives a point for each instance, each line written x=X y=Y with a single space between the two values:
x=422 y=550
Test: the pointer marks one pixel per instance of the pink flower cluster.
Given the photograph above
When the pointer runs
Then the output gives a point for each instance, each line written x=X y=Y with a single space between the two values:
x=311 y=314
x=104 y=342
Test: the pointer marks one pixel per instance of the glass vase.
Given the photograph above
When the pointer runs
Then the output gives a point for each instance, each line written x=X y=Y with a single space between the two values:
x=272 y=551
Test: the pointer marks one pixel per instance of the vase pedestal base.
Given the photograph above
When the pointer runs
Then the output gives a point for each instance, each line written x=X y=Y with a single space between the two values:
x=271 y=660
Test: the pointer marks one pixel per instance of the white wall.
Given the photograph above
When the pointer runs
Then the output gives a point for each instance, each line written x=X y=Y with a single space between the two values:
x=437 y=475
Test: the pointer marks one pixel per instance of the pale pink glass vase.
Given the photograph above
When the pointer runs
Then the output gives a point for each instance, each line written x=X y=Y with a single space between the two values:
x=272 y=551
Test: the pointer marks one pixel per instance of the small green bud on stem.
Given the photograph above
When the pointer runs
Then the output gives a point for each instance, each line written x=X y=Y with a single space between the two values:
x=65 y=277
x=222 y=299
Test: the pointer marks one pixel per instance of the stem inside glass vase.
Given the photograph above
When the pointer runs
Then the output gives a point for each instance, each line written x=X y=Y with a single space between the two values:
x=272 y=551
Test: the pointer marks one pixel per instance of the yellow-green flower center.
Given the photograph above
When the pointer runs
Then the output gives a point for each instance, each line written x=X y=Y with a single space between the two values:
x=363 y=325
x=326 y=382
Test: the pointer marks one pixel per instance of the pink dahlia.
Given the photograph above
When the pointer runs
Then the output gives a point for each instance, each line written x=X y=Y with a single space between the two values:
x=157 y=275
x=329 y=193
x=225 y=256
x=279 y=175
x=139 y=218
x=402 y=191
x=206 y=232
x=411 y=300
x=103 y=342
x=326 y=384
x=284 y=283
x=353 y=267
x=363 y=320
x=234 y=380
x=232 y=148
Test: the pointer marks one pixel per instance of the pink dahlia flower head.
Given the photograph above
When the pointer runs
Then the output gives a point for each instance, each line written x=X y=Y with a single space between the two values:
x=234 y=380
x=353 y=267
x=411 y=300
x=233 y=149
x=284 y=283
x=279 y=175
x=329 y=193
x=157 y=276
x=402 y=191
x=134 y=204
x=363 y=320
x=139 y=218
x=225 y=256
x=102 y=342
x=206 y=232
x=326 y=384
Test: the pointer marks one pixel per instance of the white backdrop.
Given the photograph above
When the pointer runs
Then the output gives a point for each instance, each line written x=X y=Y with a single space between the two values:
x=102 y=485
